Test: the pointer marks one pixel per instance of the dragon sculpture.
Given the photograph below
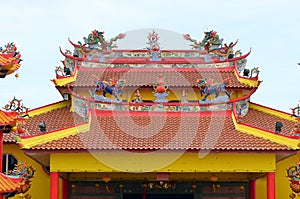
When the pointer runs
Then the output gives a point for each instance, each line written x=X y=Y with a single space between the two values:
x=96 y=40
x=26 y=172
x=212 y=43
x=293 y=173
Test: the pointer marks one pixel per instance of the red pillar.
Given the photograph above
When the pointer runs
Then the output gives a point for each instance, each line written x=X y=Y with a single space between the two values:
x=252 y=189
x=271 y=193
x=1 y=153
x=65 y=189
x=54 y=185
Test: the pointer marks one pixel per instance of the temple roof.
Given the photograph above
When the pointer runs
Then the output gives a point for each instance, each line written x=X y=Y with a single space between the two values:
x=179 y=130
x=262 y=120
x=175 y=77
x=8 y=184
x=9 y=59
x=6 y=117
x=106 y=133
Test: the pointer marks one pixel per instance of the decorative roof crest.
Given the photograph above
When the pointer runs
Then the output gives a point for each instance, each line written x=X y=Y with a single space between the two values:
x=96 y=40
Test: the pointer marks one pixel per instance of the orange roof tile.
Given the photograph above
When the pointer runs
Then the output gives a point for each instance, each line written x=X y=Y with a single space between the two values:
x=266 y=121
x=175 y=77
x=8 y=184
x=7 y=58
x=6 y=118
x=153 y=132
x=55 y=119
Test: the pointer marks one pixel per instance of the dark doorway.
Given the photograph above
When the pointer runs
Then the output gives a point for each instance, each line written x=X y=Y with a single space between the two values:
x=159 y=196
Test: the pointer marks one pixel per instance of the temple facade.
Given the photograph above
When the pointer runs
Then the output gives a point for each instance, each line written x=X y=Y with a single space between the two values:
x=151 y=123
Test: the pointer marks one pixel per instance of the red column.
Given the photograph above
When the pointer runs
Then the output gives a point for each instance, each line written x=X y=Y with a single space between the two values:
x=271 y=193
x=252 y=189
x=54 y=185
x=1 y=153
x=1 y=149
x=65 y=189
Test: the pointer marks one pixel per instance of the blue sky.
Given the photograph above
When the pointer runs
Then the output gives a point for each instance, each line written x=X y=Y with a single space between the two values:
x=38 y=28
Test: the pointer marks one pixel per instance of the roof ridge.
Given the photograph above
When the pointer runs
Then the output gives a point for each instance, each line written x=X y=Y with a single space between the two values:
x=30 y=141
x=290 y=142
x=49 y=107
x=66 y=80
x=224 y=69
x=254 y=82
x=272 y=111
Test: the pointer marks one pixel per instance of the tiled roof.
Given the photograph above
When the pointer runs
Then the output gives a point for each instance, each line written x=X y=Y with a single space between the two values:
x=6 y=58
x=8 y=184
x=175 y=77
x=6 y=118
x=55 y=119
x=153 y=132
x=266 y=121
x=9 y=137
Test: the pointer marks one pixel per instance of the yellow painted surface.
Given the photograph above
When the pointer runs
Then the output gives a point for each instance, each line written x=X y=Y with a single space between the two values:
x=253 y=83
x=40 y=185
x=45 y=109
x=282 y=182
x=29 y=142
x=292 y=143
x=280 y=114
x=261 y=188
x=66 y=80
x=161 y=162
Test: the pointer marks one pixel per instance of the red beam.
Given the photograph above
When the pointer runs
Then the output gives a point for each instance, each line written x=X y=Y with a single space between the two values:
x=252 y=189
x=65 y=189
x=54 y=185
x=271 y=193
x=1 y=153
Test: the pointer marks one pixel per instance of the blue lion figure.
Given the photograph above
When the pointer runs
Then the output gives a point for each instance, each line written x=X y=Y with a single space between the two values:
x=114 y=89
x=207 y=88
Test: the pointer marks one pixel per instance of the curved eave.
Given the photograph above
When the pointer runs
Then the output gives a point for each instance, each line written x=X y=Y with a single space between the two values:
x=235 y=43
x=7 y=118
x=8 y=184
x=61 y=81
x=48 y=108
x=75 y=45
x=67 y=56
x=253 y=82
x=271 y=111
x=27 y=142
x=289 y=141
x=147 y=61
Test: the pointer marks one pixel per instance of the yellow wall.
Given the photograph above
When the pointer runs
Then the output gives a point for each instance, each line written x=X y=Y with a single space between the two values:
x=189 y=162
x=282 y=182
x=261 y=188
x=161 y=162
x=40 y=183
